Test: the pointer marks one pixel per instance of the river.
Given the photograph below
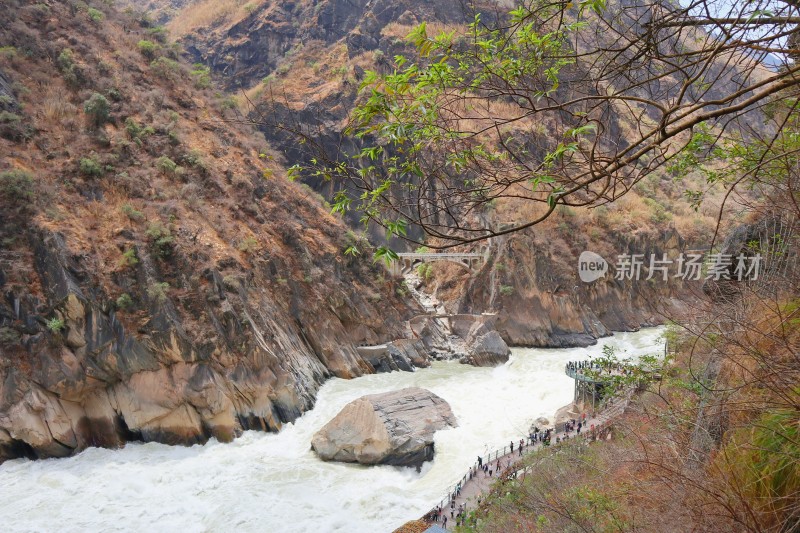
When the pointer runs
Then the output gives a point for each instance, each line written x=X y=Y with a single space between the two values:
x=274 y=483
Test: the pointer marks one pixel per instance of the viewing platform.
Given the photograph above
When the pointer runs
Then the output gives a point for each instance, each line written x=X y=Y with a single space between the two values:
x=590 y=380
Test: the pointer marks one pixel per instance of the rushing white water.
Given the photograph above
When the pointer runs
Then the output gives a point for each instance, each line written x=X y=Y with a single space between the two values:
x=273 y=482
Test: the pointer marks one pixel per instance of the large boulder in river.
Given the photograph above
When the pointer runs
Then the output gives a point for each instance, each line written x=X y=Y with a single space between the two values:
x=393 y=428
x=486 y=346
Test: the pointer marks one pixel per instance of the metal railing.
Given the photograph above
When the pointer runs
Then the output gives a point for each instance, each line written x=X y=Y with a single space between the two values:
x=613 y=408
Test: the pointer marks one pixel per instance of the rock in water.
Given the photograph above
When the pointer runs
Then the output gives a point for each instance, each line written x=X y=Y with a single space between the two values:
x=393 y=428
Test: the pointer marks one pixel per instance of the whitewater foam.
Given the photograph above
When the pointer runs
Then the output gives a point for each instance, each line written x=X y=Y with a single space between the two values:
x=274 y=482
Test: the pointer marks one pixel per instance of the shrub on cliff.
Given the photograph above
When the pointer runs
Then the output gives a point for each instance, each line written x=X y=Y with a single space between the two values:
x=16 y=186
x=124 y=302
x=91 y=167
x=148 y=49
x=158 y=292
x=97 y=109
x=161 y=237
x=95 y=15
x=168 y=167
x=166 y=68
x=128 y=258
x=12 y=127
x=66 y=64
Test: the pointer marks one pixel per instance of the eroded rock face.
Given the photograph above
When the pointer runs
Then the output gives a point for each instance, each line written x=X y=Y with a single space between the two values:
x=97 y=382
x=393 y=428
x=548 y=305
x=486 y=346
x=472 y=339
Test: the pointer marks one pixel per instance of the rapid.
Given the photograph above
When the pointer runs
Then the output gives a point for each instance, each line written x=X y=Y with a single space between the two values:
x=275 y=483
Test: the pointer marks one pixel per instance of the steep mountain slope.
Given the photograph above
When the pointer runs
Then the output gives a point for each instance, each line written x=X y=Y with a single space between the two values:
x=160 y=278
x=299 y=64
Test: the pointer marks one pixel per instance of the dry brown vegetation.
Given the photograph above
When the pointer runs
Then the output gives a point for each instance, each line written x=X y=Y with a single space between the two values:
x=712 y=446
x=209 y=13
x=166 y=173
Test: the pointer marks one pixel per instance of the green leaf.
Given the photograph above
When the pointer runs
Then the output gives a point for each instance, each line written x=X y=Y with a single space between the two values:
x=388 y=255
x=293 y=172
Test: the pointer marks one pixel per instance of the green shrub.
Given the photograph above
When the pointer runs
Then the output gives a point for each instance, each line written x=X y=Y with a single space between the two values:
x=133 y=128
x=174 y=138
x=230 y=283
x=66 y=64
x=8 y=52
x=194 y=158
x=66 y=60
x=148 y=49
x=166 y=68
x=161 y=237
x=113 y=92
x=131 y=212
x=9 y=336
x=201 y=75
x=12 y=127
x=506 y=290
x=17 y=186
x=229 y=103
x=91 y=167
x=167 y=166
x=158 y=292
x=159 y=33
x=124 y=302
x=97 y=109
x=425 y=271
x=41 y=10
x=659 y=214
x=129 y=258
x=56 y=325
x=95 y=15
x=248 y=245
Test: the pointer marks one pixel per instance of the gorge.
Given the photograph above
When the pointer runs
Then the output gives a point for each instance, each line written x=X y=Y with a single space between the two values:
x=276 y=482
x=224 y=221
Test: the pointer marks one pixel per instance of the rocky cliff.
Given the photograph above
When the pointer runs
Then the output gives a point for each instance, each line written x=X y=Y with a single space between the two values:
x=160 y=279
x=532 y=284
x=301 y=65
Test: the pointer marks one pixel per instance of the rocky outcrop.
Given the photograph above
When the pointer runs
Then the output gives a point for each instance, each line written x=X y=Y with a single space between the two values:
x=393 y=428
x=89 y=380
x=176 y=289
x=249 y=49
x=472 y=339
x=540 y=301
x=401 y=354
x=485 y=345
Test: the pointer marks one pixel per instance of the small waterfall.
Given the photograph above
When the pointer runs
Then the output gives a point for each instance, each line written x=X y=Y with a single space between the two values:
x=448 y=344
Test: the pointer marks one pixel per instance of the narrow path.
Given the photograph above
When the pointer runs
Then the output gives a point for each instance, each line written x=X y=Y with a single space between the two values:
x=475 y=483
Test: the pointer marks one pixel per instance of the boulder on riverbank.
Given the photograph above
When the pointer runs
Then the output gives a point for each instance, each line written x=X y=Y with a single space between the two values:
x=393 y=428
x=486 y=346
